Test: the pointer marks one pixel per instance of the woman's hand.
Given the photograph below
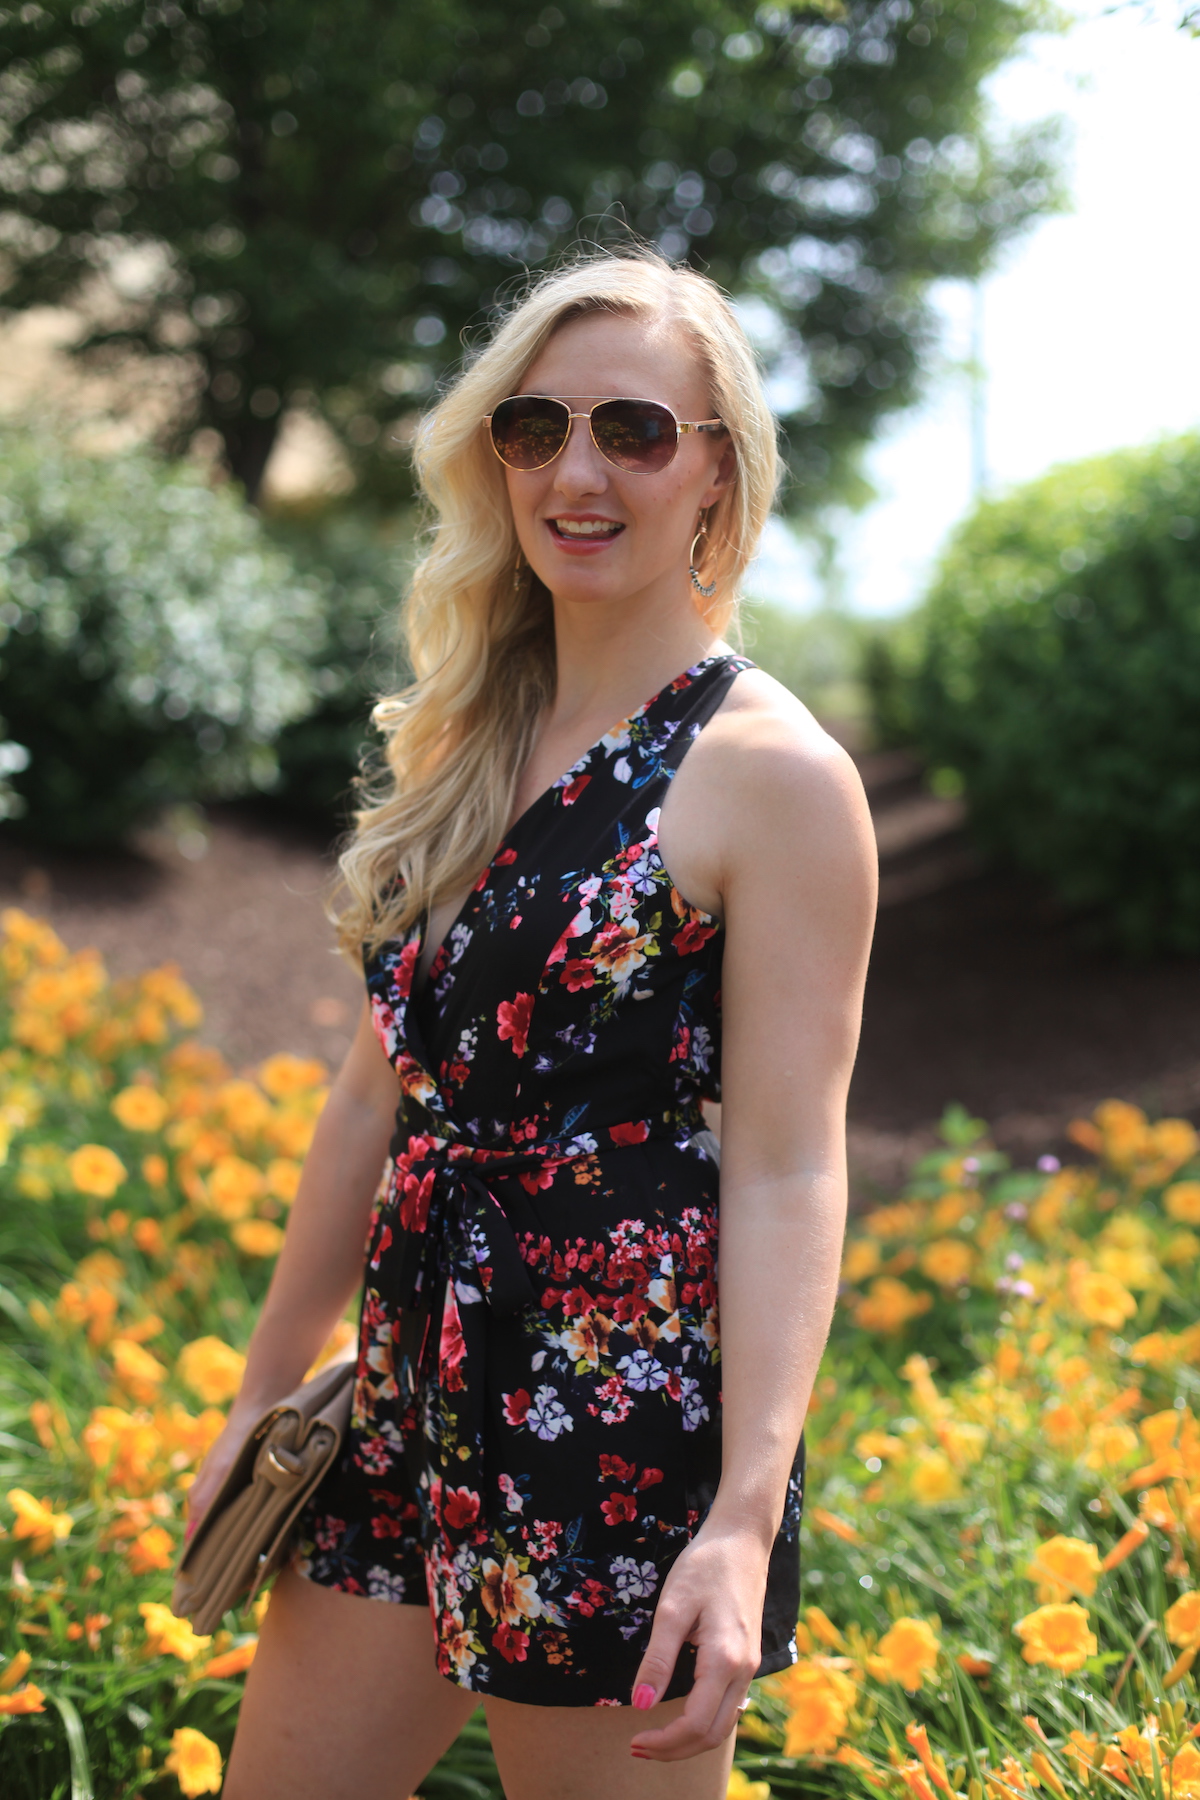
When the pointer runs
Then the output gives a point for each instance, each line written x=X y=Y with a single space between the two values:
x=712 y=1598
x=217 y=1464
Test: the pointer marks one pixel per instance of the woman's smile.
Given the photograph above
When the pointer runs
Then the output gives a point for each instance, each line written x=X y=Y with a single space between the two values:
x=583 y=533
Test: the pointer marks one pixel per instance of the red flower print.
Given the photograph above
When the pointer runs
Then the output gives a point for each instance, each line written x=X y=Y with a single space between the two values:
x=414 y=1207
x=571 y=793
x=382 y=1527
x=577 y=974
x=505 y=857
x=512 y=1017
x=692 y=936
x=618 y=1508
x=533 y=1180
x=460 y=1508
x=406 y=965
x=385 y=1238
x=649 y=1478
x=516 y=1406
x=589 y=1598
x=615 y=1468
x=634 y=1133
x=453 y=1349
x=512 y=1644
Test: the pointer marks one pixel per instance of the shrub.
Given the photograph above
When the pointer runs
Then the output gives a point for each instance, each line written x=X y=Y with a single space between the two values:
x=362 y=562
x=154 y=641
x=1060 y=679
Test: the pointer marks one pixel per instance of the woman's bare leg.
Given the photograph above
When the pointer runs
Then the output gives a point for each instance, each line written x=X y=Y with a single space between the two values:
x=582 y=1753
x=343 y=1700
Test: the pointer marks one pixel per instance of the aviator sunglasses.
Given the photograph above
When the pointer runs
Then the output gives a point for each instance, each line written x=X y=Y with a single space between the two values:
x=640 y=436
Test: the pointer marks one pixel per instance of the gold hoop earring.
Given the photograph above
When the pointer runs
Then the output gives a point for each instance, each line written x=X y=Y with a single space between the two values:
x=710 y=590
x=519 y=568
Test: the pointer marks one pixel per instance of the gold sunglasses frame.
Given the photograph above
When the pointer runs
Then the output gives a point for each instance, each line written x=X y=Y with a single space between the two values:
x=682 y=427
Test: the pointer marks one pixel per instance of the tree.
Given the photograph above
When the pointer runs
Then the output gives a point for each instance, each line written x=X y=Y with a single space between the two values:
x=308 y=202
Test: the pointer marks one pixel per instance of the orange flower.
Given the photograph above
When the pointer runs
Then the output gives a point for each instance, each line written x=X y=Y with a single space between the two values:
x=906 y=1653
x=232 y=1662
x=947 y=1261
x=1125 y=1546
x=233 y=1187
x=94 y=1169
x=140 y=1108
x=934 y=1767
x=195 y=1762
x=979 y=1667
x=819 y=1698
x=155 y=1169
x=1063 y=1566
x=889 y=1305
x=211 y=1369
x=827 y=1521
x=139 y=1373
x=15 y=1671
x=1156 y=1509
x=1101 y=1298
x=153 y=1548
x=168 y=1636
x=1057 y=1635
x=257 y=1237
x=38 y=1521
x=148 y=1236
x=28 y=1699
x=1182 y=1202
x=823 y=1628
x=1182 y=1620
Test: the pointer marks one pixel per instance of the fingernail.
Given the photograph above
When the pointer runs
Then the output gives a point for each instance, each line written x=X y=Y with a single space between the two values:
x=189 y=1533
x=644 y=1754
x=644 y=1697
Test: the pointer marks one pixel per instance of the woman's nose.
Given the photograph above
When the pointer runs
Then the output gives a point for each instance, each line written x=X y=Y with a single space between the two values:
x=580 y=468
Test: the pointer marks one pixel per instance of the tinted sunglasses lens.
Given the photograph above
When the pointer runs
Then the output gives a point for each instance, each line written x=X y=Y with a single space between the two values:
x=529 y=432
x=636 y=435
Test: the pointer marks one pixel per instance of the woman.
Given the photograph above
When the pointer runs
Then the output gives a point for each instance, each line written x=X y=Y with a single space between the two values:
x=549 y=1448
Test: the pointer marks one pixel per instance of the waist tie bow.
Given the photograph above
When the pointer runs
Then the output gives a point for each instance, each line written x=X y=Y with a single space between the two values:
x=456 y=1260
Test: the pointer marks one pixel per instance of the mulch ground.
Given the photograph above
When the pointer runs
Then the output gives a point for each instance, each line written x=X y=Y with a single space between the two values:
x=978 y=993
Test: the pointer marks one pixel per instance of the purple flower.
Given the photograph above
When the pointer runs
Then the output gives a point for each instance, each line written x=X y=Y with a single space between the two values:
x=1049 y=1165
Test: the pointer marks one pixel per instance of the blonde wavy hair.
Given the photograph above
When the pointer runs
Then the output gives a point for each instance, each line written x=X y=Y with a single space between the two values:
x=480 y=630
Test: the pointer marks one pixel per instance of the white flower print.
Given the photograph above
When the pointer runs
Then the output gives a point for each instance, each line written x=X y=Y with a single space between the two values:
x=701 y=1047
x=621 y=769
x=695 y=1412
x=633 y=1580
x=460 y=937
x=618 y=739
x=548 y=1418
x=642 y=1373
x=643 y=874
x=383 y=1585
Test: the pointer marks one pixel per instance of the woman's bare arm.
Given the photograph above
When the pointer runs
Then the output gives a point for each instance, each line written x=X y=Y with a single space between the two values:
x=793 y=855
x=320 y=1265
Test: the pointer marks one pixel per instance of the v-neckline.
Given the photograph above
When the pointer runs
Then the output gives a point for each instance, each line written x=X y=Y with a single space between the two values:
x=564 y=780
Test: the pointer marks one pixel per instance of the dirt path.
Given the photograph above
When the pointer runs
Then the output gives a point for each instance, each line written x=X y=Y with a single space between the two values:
x=977 y=993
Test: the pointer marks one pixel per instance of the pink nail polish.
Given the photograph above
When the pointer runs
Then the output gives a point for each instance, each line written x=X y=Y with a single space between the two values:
x=644 y=1697
x=643 y=1754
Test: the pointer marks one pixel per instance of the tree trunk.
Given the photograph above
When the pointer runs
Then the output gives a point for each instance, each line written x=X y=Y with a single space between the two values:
x=248 y=445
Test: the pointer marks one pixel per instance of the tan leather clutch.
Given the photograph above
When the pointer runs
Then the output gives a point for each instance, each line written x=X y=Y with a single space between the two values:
x=244 y=1536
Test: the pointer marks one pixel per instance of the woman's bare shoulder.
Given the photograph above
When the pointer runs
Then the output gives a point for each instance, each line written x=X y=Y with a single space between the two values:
x=764 y=783
x=762 y=731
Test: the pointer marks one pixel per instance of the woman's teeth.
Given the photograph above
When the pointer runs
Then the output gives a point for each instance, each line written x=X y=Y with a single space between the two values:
x=586 y=527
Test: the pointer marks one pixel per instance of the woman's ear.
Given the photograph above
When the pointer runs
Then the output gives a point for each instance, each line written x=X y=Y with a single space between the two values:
x=723 y=476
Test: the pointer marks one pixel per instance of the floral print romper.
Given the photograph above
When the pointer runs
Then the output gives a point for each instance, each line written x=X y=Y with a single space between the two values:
x=536 y=1430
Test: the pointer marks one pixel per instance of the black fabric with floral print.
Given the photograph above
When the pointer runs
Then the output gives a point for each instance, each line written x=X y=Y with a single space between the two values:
x=536 y=1427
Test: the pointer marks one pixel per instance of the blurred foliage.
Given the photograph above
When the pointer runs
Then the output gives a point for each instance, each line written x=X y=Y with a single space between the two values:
x=306 y=203
x=818 y=655
x=155 y=643
x=362 y=560
x=1056 y=676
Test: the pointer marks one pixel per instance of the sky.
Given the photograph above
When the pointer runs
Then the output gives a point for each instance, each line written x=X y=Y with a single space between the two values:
x=1089 y=325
